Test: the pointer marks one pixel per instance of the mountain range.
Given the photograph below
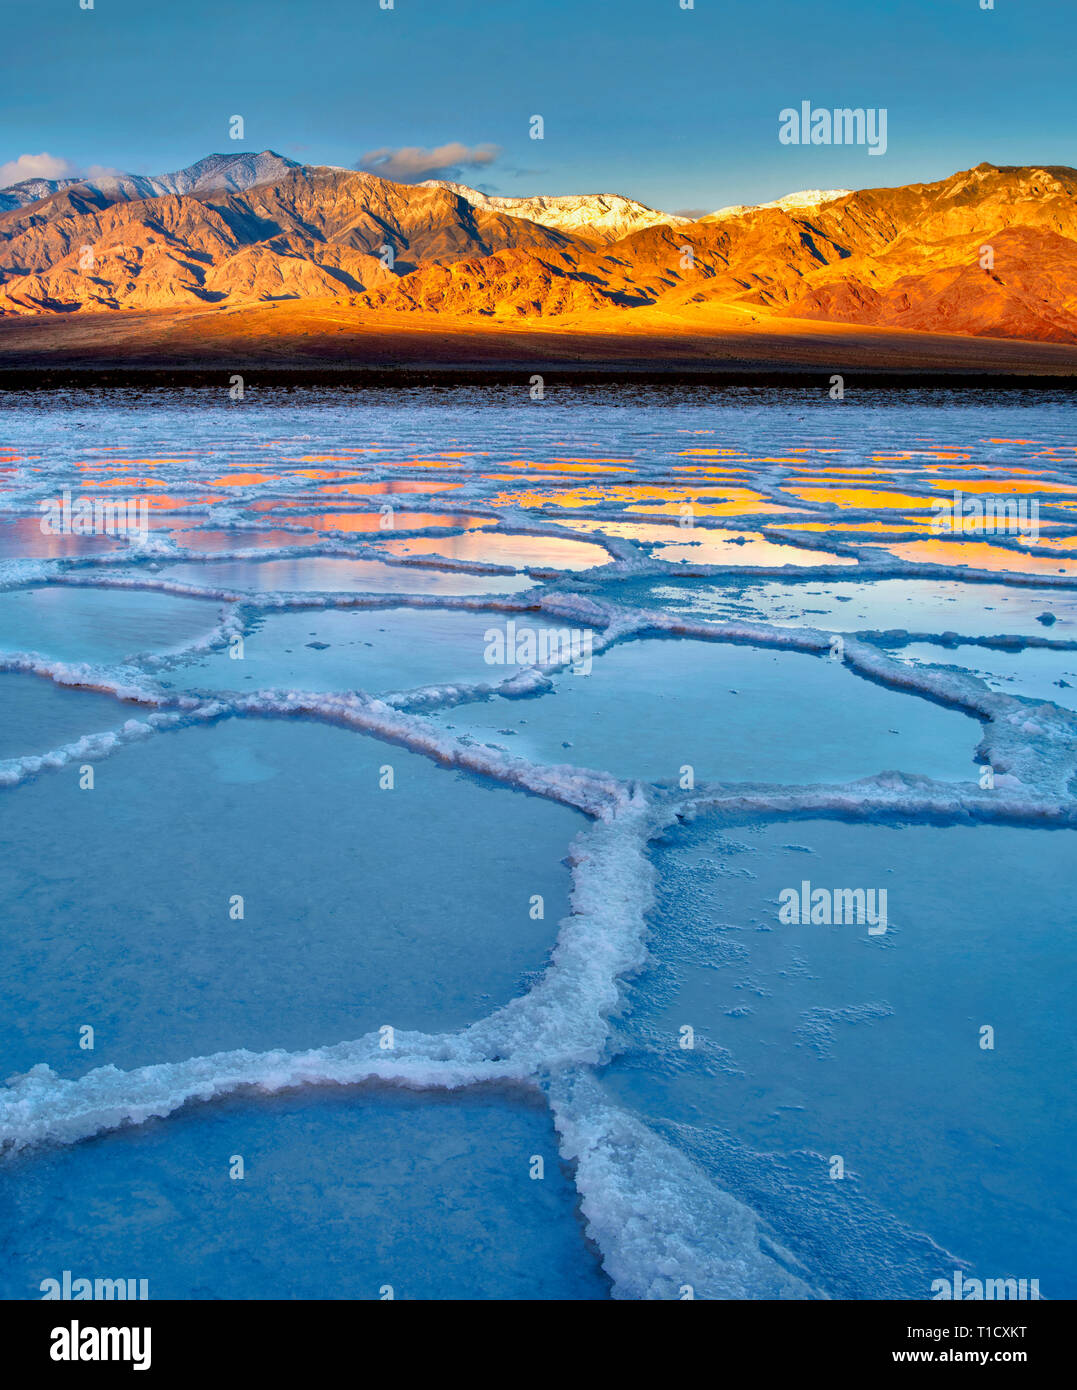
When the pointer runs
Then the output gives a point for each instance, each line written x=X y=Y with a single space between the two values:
x=235 y=171
x=990 y=251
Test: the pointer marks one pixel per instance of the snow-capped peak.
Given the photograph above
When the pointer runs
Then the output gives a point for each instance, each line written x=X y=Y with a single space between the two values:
x=609 y=216
x=805 y=198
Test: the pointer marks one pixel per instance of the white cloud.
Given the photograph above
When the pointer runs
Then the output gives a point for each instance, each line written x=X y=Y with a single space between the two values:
x=36 y=166
x=413 y=163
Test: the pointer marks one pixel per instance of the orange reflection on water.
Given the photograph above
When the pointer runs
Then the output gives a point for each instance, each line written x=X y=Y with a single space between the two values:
x=441 y=462
x=177 y=453
x=993 y=485
x=741 y=458
x=166 y=504
x=977 y=555
x=240 y=540
x=566 y=466
x=715 y=473
x=598 y=465
x=564 y=497
x=860 y=498
x=862 y=471
x=272 y=504
x=345 y=449
x=906 y=454
x=1056 y=542
x=319 y=458
x=575 y=497
x=915 y=524
x=671 y=498
x=385 y=485
x=320 y=474
x=130 y=482
x=711 y=453
x=961 y=468
x=112 y=464
x=22 y=536
x=543 y=552
x=729 y=501
x=702 y=546
x=373 y=521
x=243 y=479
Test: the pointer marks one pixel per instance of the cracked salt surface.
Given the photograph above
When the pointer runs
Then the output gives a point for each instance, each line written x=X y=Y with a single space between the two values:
x=1038 y=673
x=816 y=1040
x=688 y=1169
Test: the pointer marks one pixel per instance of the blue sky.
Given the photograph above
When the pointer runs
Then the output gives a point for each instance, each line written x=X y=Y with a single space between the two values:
x=678 y=108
